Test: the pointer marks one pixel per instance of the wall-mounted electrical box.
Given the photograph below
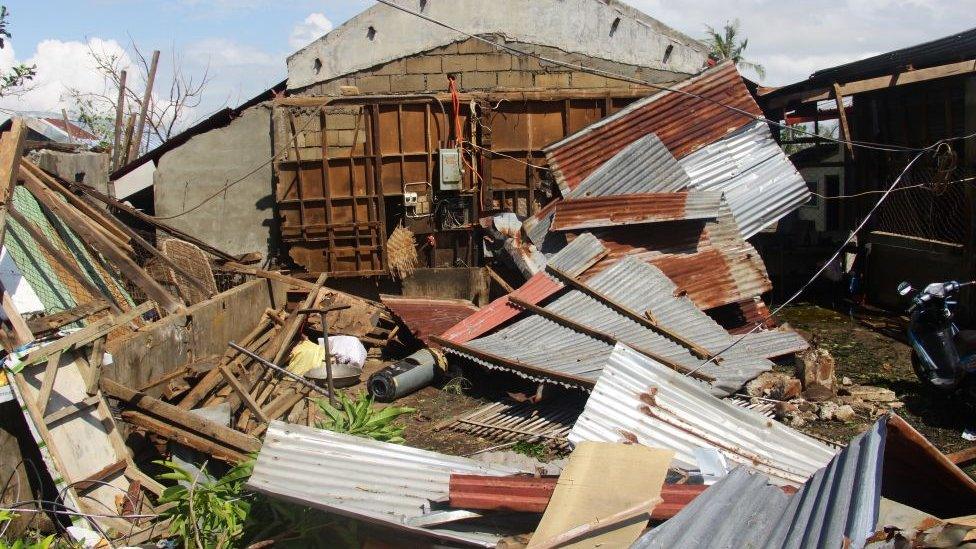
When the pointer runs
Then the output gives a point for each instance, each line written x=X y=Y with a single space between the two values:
x=450 y=169
x=410 y=199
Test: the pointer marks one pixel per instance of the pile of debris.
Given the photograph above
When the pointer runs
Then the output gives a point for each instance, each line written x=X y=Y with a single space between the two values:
x=124 y=347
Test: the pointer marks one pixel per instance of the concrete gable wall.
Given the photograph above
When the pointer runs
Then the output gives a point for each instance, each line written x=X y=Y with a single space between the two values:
x=601 y=29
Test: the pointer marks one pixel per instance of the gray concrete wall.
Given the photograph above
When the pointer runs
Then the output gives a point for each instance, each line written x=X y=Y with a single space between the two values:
x=240 y=219
x=90 y=168
x=603 y=29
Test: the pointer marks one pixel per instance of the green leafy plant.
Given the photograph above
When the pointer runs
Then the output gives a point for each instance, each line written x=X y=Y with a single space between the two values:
x=33 y=541
x=206 y=514
x=358 y=417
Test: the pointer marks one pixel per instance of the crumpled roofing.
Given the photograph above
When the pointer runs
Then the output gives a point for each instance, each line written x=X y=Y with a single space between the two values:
x=837 y=507
x=641 y=401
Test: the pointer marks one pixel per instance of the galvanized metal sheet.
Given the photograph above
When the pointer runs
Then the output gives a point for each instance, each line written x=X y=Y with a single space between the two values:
x=639 y=400
x=759 y=181
x=644 y=166
x=634 y=209
x=837 y=507
x=369 y=480
x=774 y=343
x=684 y=122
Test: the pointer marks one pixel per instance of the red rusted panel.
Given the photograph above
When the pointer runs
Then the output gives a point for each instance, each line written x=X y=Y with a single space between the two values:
x=427 y=317
x=531 y=494
x=501 y=311
x=633 y=209
x=683 y=122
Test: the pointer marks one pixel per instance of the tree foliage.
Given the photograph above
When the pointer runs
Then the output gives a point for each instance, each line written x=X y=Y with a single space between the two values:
x=727 y=44
x=15 y=80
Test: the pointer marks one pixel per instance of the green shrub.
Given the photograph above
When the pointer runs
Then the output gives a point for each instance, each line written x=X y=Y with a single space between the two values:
x=358 y=417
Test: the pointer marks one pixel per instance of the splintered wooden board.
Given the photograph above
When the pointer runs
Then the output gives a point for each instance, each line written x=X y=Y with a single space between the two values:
x=80 y=445
x=601 y=479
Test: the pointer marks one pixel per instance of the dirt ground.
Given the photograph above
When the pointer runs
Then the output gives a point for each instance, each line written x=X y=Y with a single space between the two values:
x=870 y=350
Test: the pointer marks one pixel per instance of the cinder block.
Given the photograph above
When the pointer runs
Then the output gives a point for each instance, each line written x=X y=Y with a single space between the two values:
x=479 y=80
x=373 y=84
x=494 y=62
x=588 y=80
x=424 y=64
x=552 y=80
x=527 y=64
x=340 y=121
x=515 y=79
x=445 y=50
x=475 y=46
x=393 y=67
x=459 y=63
x=408 y=83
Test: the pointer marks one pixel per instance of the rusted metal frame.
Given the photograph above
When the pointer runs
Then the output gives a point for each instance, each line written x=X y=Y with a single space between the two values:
x=299 y=180
x=367 y=170
x=530 y=171
x=429 y=157
x=512 y=364
x=572 y=282
x=402 y=155
x=486 y=142
x=603 y=336
x=59 y=256
x=327 y=188
x=378 y=190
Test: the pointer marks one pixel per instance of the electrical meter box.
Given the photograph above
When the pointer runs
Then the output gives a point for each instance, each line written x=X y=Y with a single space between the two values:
x=450 y=169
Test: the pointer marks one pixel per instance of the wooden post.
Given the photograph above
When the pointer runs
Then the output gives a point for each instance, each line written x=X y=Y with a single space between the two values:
x=11 y=149
x=130 y=126
x=144 y=108
x=67 y=126
x=119 y=114
x=845 y=129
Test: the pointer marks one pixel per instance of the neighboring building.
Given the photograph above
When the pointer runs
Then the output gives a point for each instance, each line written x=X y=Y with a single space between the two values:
x=42 y=130
x=357 y=136
x=822 y=167
x=908 y=98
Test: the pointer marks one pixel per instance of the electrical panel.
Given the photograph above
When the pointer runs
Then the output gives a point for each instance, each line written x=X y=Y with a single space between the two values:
x=410 y=199
x=450 y=169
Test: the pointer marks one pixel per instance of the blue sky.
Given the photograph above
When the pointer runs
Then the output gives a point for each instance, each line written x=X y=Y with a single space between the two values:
x=243 y=43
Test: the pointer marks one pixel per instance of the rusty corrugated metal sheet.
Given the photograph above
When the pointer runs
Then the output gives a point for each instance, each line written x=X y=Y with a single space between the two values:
x=634 y=209
x=427 y=317
x=682 y=122
x=644 y=166
x=707 y=260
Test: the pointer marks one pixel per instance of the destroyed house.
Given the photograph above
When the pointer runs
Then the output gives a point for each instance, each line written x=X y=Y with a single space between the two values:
x=365 y=138
x=907 y=99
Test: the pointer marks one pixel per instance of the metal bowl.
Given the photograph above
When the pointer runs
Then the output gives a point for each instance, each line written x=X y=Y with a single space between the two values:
x=342 y=376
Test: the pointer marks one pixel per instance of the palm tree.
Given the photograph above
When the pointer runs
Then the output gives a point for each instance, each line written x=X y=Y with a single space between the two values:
x=725 y=45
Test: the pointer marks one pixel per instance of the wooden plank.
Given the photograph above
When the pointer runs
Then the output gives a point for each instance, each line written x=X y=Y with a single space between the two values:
x=621 y=309
x=72 y=409
x=245 y=396
x=88 y=333
x=281 y=405
x=962 y=458
x=56 y=321
x=95 y=363
x=845 y=129
x=501 y=281
x=186 y=438
x=173 y=414
x=295 y=320
x=234 y=267
x=119 y=115
x=106 y=247
x=47 y=384
x=144 y=107
x=11 y=149
x=603 y=336
x=99 y=476
x=17 y=322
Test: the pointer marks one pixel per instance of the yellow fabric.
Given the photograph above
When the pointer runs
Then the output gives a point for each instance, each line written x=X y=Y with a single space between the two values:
x=305 y=356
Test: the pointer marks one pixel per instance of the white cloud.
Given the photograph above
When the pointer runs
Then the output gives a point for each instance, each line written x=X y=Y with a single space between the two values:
x=60 y=66
x=221 y=52
x=313 y=27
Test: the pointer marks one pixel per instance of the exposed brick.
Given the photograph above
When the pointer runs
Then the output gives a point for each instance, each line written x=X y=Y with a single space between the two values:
x=459 y=63
x=340 y=138
x=478 y=80
x=558 y=80
x=588 y=80
x=494 y=62
x=393 y=67
x=475 y=46
x=340 y=121
x=373 y=84
x=515 y=79
x=445 y=50
x=437 y=82
x=408 y=83
x=424 y=64
x=527 y=64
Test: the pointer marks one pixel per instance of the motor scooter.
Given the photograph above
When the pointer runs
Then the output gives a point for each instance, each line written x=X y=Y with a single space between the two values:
x=943 y=356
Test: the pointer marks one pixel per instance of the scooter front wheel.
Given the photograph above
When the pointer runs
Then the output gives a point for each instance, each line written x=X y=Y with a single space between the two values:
x=923 y=374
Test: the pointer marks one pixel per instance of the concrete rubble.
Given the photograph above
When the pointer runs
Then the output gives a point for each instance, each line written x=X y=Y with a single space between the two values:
x=602 y=315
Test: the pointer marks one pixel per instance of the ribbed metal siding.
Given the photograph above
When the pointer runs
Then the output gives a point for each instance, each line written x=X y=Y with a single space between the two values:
x=774 y=343
x=639 y=400
x=644 y=166
x=837 y=507
x=759 y=181
x=579 y=255
x=635 y=209
x=362 y=478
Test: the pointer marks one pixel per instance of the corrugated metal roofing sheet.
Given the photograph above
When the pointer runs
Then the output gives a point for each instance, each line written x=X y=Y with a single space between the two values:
x=427 y=317
x=364 y=479
x=635 y=209
x=639 y=400
x=682 y=122
x=837 y=507
x=759 y=181
x=774 y=343
x=644 y=166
